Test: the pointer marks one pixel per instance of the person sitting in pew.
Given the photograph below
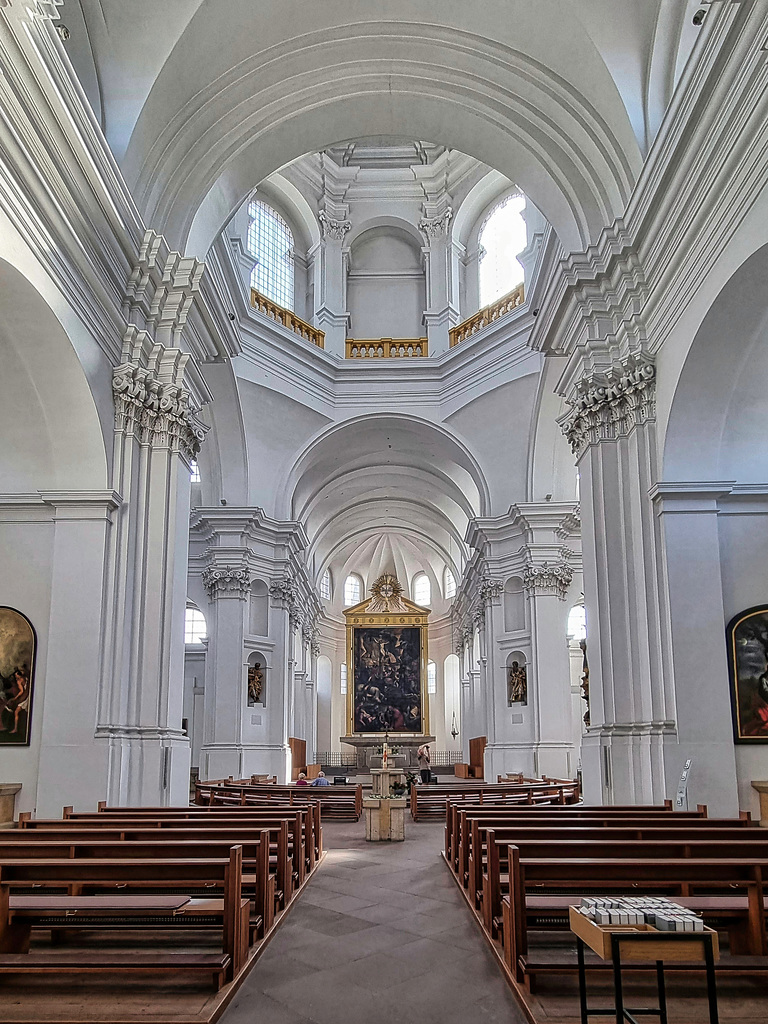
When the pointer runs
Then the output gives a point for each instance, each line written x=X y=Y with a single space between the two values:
x=320 y=780
x=302 y=780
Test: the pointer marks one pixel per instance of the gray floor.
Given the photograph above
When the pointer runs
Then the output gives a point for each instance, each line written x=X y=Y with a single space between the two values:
x=379 y=935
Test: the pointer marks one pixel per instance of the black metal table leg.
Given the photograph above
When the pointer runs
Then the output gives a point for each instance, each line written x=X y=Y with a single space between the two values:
x=618 y=991
x=709 y=958
x=661 y=985
x=582 y=982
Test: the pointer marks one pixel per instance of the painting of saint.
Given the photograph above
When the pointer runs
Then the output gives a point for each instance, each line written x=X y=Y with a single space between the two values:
x=517 y=684
x=747 y=637
x=17 y=667
x=387 y=679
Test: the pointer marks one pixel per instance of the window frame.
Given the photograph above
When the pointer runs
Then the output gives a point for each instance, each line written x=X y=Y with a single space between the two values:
x=416 y=583
x=325 y=587
x=279 y=284
x=448 y=575
x=189 y=618
x=484 y=252
x=359 y=581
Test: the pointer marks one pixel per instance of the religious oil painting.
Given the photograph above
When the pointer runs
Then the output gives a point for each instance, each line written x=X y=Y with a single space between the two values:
x=387 y=679
x=17 y=676
x=747 y=641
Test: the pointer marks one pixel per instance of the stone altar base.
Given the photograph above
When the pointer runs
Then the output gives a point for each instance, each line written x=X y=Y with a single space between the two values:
x=365 y=745
x=384 y=819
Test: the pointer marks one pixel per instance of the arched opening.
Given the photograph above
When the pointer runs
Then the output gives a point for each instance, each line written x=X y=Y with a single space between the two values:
x=259 y=609
x=386 y=287
x=325 y=585
x=422 y=590
x=514 y=605
x=195 y=626
x=270 y=243
x=353 y=590
x=502 y=238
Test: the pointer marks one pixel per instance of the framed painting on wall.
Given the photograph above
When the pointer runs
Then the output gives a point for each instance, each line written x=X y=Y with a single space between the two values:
x=387 y=679
x=747 y=643
x=17 y=677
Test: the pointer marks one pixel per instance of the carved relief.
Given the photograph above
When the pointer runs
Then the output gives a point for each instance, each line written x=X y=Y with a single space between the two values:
x=335 y=229
x=227 y=581
x=548 y=579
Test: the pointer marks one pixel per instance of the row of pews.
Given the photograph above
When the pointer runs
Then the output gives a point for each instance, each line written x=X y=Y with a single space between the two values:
x=338 y=803
x=520 y=868
x=137 y=890
x=429 y=803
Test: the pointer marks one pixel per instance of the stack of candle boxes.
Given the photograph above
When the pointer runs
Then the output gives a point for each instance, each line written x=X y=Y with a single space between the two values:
x=656 y=911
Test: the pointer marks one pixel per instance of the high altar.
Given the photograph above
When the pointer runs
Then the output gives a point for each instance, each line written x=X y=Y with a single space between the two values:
x=387 y=643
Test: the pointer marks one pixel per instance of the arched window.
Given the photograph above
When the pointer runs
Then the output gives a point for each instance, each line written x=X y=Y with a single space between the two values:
x=353 y=590
x=270 y=242
x=577 y=623
x=343 y=677
x=422 y=590
x=195 y=629
x=325 y=585
x=431 y=677
x=449 y=584
x=502 y=239
x=194 y=473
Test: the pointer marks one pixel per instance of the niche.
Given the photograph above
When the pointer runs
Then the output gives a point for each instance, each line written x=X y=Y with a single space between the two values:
x=386 y=289
x=514 y=605
x=256 y=689
x=259 y=609
x=517 y=680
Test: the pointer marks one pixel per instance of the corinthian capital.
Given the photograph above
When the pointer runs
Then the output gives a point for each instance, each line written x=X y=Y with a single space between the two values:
x=331 y=228
x=489 y=589
x=436 y=227
x=227 y=581
x=606 y=406
x=548 y=579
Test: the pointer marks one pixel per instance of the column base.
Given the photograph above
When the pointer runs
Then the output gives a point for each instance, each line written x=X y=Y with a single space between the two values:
x=556 y=760
x=146 y=767
x=627 y=763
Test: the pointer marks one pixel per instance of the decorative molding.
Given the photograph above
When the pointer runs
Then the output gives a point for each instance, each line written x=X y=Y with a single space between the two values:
x=436 y=227
x=490 y=589
x=283 y=590
x=227 y=581
x=151 y=400
x=606 y=406
x=332 y=228
x=548 y=579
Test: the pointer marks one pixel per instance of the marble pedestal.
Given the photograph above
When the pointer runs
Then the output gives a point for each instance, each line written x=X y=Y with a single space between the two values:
x=384 y=819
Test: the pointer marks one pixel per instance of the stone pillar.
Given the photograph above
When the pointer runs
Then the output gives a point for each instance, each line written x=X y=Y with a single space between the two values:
x=330 y=275
x=157 y=434
x=611 y=428
x=441 y=268
x=688 y=515
x=227 y=580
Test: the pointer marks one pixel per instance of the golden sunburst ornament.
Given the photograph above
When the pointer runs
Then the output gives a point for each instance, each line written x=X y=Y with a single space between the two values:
x=386 y=593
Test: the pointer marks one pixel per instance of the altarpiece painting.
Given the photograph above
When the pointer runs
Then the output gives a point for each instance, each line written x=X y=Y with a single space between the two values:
x=387 y=642
x=17 y=676
x=747 y=644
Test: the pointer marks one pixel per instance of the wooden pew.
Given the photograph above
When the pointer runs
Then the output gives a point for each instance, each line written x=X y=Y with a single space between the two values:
x=108 y=875
x=337 y=803
x=257 y=882
x=430 y=803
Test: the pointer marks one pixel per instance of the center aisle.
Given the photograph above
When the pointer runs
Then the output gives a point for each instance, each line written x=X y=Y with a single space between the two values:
x=380 y=935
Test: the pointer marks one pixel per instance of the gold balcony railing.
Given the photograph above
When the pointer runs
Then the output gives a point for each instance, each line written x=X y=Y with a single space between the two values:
x=287 y=319
x=487 y=315
x=386 y=348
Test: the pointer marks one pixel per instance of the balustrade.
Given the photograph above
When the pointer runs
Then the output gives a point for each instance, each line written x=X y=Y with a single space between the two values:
x=487 y=315
x=386 y=348
x=287 y=319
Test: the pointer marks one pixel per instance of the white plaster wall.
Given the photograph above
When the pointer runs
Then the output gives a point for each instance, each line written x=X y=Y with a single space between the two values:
x=386 y=290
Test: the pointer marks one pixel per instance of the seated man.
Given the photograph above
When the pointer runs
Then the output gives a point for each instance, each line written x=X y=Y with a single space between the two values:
x=320 y=780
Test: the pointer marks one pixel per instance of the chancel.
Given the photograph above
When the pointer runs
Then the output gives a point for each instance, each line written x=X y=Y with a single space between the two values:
x=383 y=506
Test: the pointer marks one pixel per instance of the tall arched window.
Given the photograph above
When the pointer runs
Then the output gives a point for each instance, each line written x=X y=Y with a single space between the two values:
x=325 y=585
x=194 y=473
x=270 y=242
x=577 y=623
x=449 y=584
x=343 y=679
x=353 y=590
x=195 y=629
x=502 y=239
x=431 y=677
x=422 y=591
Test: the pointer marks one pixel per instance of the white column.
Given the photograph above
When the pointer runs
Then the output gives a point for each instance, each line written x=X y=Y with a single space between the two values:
x=611 y=427
x=688 y=514
x=442 y=310
x=330 y=267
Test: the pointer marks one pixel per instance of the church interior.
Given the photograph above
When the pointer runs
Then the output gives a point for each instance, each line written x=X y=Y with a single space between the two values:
x=383 y=510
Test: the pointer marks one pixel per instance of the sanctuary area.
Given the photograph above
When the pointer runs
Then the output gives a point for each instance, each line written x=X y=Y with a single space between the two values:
x=383 y=510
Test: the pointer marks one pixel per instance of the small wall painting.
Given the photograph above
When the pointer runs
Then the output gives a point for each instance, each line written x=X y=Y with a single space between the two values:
x=17 y=677
x=517 y=684
x=747 y=643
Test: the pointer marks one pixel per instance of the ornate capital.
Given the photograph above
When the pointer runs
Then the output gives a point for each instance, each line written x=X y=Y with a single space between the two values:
x=331 y=228
x=436 y=227
x=283 y=590
x=151 y=401
x=609 y=405
x=548 y=579
x=227 y=581
x=489 y=589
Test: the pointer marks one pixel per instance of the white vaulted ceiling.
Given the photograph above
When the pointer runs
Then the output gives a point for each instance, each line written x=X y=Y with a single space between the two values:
x=202 y=99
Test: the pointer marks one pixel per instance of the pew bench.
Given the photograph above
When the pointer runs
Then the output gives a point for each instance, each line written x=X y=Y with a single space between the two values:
x=79 y=962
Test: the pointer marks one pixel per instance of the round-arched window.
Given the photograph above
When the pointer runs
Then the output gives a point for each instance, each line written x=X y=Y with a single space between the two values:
x=195 y=628
x=502 y=239
x=422 y=590
x=577 y=623
x=353 y=590
x=270 y=242
x=325 y=585
x=449 y=584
